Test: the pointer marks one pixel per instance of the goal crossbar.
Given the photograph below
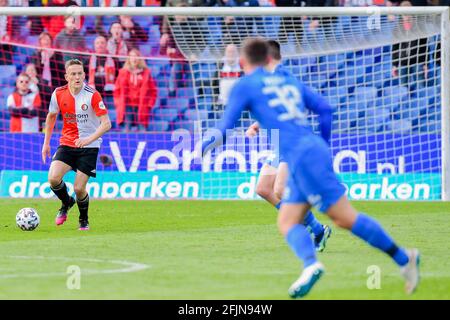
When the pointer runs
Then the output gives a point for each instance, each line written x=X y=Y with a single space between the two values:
x=209 y=11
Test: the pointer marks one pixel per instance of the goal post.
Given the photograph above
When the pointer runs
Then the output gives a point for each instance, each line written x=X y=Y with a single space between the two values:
x=384 y=69
x=445 y=107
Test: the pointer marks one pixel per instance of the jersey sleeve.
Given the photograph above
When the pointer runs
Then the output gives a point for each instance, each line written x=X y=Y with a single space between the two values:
x=238 y=101
x=98 y=105
x=53 y=107
x=37 y=101
x=317 y=104
x=10 y=103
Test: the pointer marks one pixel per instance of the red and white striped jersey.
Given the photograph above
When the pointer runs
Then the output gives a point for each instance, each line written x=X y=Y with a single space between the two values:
x=31 y=100
x=80 y=114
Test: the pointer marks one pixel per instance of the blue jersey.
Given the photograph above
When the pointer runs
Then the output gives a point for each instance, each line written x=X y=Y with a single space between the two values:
x=279 y=101
x=275 y=159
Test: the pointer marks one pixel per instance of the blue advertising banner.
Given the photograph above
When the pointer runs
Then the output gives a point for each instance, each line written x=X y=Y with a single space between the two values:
x=133 y=152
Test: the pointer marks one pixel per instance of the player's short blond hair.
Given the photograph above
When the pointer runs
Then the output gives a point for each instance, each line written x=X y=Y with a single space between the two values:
x=74 y=62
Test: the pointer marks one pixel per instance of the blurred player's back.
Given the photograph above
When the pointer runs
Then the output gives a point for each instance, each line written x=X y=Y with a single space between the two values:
x=288 y=101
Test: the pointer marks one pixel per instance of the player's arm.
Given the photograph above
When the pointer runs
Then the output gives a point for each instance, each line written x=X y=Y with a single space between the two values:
x=50 y=121
x=317 y=104
x=252 y=130
x=238 y=101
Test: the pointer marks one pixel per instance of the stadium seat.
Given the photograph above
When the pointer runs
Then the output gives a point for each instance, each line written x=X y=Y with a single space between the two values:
x=4 y=125
x=7 y=71
x=154 y=37
x=163 y=92
x=331 y=63
x=271 y=25
x=32 y=40
x=346 y=77
x=188 y=125
x=144 y=21
x=402 y=126
x=392 y=96
x=146 y=51
x=162 y=64
x=166 y=114
x=187 y=93
x=333 y=101
x=375 y=118
x=411 y=109
x=365 y=93
x=340 y=92
x=4 y=93
x=179 y=104
x=359 y=106
x=90 y=39
x=193 y=114
x=8 y=82
x=205 y=103
x=158 y=125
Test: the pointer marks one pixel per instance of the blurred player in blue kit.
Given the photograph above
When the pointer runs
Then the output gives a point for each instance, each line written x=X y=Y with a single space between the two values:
x=279 y=101
x=274 y=172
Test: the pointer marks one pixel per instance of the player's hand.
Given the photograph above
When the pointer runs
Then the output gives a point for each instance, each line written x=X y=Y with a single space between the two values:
x=45 y=153
x=394 y=71
x=80 y=143
x=164 y=40
x=252 y=131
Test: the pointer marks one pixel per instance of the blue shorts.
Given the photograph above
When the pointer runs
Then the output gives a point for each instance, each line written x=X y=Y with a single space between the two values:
x=311 y=177
x=274 y=160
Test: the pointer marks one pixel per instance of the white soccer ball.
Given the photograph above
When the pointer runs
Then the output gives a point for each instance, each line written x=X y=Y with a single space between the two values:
x=27 y=219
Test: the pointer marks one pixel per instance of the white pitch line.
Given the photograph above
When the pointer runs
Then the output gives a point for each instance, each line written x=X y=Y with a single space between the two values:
x=129 y=267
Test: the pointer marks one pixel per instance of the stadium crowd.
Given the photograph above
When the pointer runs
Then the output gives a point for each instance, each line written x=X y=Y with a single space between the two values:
x=146 y=81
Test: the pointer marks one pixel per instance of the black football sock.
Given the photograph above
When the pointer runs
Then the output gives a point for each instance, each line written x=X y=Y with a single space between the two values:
x=61 y=192
x=83 y=207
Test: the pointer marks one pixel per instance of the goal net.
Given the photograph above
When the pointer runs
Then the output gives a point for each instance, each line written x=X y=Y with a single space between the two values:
x=382 y=69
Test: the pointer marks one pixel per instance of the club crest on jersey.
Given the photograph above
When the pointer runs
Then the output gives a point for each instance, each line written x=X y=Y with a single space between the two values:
x=84 y=107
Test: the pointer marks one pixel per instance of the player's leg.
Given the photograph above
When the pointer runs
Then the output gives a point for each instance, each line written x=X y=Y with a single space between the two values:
x=326 y=192
x=81 y=181
x=58 y=169
x=265 y=184
x=290 y=224
x=320 y=232
x=86 y=167
x=345 y=216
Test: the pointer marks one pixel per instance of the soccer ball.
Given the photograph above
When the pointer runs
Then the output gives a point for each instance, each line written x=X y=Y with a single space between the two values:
x=27 y=219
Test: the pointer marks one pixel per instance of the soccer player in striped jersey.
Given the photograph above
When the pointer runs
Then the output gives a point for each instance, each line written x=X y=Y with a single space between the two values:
x=279 y=101
x=85 y=120
x=274 y=172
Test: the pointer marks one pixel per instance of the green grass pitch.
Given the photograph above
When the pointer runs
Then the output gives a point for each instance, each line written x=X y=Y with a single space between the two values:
x=208 y=250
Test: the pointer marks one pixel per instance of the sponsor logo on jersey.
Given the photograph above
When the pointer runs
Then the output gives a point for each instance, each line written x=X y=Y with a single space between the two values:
x=76 y=118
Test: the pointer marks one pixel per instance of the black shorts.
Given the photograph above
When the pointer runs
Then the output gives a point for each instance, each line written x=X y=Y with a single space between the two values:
x=83 y=159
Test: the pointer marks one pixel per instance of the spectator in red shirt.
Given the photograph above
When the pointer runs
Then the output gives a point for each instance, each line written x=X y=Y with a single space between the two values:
x=54 y=24
x=49 y=67
x=135 y=93
x=179 y=70
x=24 y=106
x=133 y=32
x=6 y=23
x=70 y=38
x=102 y=69
x=116 y=43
